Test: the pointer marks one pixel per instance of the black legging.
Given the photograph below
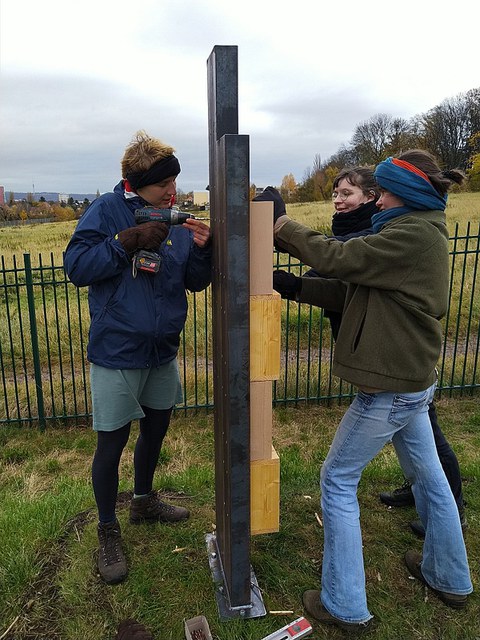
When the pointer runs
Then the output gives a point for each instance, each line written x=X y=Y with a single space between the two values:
x=447 y=457
x=110 y=445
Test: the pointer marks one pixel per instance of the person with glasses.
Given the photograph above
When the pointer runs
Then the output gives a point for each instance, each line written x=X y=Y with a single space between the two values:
x=354 y=196
x=392 y=288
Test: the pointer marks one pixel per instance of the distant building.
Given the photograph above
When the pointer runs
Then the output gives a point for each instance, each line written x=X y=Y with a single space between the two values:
x=201 y=198
x=63 y=197
x=2 y=195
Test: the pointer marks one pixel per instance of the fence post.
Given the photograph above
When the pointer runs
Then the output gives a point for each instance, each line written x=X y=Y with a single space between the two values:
x=34 y=339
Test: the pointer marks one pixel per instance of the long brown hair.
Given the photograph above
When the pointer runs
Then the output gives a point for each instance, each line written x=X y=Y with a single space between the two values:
x=426 y=162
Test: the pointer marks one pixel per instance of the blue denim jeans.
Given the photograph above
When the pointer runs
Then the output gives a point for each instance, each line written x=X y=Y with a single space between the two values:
x=370 y=422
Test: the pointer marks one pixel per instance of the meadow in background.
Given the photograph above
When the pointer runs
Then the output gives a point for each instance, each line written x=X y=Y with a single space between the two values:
x=463 y=208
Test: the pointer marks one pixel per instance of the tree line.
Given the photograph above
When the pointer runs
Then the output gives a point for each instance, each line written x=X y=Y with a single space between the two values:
x=450 y=131
x=32 y=209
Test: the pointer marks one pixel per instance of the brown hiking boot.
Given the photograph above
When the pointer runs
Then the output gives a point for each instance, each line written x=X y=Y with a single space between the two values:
x=413 y=560
x=132 y=630
x=150 y=508
x=111 y=562
x=315 y=609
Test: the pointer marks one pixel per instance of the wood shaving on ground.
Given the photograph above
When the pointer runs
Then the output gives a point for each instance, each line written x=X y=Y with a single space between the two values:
x=281 y=613
x=179 y=549
x=318 y=519
x=5 y=634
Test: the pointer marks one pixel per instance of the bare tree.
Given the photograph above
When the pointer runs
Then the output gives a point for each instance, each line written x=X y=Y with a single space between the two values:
x=447 y=129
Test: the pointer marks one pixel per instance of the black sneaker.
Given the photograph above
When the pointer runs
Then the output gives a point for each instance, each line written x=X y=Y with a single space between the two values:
x=313 y=606
x=111 y=562
x=419 y=530
x=150 y=508
x=401 y=497
x=413 y=560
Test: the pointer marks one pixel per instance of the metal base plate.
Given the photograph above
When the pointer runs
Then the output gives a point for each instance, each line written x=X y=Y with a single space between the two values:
x=253 y=609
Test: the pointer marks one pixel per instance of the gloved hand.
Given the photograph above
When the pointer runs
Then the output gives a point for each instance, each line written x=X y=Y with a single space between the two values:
x=149 y=235
x=287 y=284
x=270 y=194
x=132 y=630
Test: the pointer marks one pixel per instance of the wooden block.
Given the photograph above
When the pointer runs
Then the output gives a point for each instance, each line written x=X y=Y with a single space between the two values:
x=261 y=247
x=265 y=495
x=260 y=419
x=265 y=314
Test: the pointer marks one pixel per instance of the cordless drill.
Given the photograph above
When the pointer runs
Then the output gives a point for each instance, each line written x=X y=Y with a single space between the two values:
x=151 y=261
x=168 y=216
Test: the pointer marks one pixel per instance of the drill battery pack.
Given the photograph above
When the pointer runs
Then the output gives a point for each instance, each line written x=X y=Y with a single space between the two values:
x=148 y=261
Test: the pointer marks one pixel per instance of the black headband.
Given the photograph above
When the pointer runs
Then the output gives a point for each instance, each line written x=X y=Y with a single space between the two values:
x=164 y=168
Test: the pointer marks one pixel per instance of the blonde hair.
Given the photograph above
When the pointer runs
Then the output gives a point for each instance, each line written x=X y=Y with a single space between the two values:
x=143 y=152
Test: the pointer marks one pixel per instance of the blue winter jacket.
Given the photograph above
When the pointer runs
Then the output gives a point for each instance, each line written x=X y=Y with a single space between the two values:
x=135 y=322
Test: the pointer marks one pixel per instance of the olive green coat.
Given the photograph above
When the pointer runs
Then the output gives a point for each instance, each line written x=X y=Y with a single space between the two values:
x=392 y=289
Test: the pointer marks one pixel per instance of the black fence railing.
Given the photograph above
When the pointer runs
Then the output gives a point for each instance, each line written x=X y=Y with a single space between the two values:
x=44 y=327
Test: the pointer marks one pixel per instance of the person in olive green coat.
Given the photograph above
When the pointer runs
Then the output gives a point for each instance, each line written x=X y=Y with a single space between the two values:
x=392 y=290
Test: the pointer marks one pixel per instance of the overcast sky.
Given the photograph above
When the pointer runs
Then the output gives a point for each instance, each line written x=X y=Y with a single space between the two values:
x=78 y=79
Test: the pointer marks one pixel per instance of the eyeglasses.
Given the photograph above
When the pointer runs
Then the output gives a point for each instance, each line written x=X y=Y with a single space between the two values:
x=343 y=196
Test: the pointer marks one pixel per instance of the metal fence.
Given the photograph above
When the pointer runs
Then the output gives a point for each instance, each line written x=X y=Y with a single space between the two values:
x=44 y=330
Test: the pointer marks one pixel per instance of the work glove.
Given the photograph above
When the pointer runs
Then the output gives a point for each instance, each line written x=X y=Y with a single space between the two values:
x=132 y=630
x=148 y=235
x=287 y=284
x=270 y=194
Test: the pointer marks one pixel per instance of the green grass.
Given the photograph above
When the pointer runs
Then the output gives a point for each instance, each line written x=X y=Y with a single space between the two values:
x=48 y=580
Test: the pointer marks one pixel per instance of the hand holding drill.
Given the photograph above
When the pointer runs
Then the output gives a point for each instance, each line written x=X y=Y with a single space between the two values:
x=145 y=236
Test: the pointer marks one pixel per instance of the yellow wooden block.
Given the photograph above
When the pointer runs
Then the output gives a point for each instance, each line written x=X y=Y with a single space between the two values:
x=265 y=315
x=265 y=495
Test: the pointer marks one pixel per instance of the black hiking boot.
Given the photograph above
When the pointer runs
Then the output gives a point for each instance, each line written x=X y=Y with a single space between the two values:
x=419 y=530
x=111 y=562
x=150 y=508
x=401 y=497
x=413 y=560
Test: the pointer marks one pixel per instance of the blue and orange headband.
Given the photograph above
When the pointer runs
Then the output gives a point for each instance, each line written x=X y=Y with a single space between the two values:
x=410 y=184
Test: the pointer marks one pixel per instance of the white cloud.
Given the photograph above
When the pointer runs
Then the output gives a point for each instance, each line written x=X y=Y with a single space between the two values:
x=78 y=80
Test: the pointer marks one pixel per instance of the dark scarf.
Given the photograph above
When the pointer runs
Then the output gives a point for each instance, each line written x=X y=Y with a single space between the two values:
x=354 y=221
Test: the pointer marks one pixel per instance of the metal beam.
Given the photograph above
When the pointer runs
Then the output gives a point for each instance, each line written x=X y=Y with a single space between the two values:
x=229 y=182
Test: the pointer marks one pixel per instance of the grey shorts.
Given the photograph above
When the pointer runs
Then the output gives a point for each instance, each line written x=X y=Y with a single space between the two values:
x=119 y=394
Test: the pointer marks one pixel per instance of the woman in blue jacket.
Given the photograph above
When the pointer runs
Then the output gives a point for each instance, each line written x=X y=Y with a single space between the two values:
x=136 y=319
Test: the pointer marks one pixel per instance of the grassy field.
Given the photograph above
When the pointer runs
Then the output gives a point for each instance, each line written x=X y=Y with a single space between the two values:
x=50 y=588
x=463 y=208
x=61 y=314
